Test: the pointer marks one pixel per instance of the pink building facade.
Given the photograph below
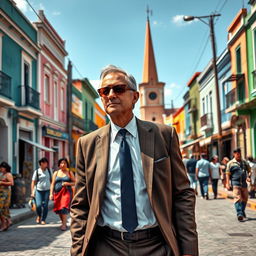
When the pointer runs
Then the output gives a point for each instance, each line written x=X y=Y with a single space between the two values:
x=53 y=87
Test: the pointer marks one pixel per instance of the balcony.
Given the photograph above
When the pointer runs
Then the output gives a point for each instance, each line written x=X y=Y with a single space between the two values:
x=78 y=122
x=29 y=101
x=84 y=124
x=5 y=90
x=90 y=125
x=192 y=105
x=206 y=122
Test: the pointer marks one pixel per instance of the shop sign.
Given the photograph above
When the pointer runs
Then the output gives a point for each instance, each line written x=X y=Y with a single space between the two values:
x=50 y=132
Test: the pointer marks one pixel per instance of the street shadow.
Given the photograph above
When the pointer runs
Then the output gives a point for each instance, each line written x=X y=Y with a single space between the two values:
x=250 y=219
x=30 y=237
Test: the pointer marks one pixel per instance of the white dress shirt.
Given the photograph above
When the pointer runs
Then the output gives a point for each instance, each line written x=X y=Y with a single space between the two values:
x=111 y=215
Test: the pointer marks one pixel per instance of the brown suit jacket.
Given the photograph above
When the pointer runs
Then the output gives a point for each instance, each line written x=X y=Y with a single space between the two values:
x=171 y=198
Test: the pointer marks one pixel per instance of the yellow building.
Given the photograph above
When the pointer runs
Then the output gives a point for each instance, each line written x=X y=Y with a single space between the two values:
x=100 y=115
x=179 y=124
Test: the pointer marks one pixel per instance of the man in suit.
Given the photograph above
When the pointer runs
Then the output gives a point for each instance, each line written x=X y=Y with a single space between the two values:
x=132 y=193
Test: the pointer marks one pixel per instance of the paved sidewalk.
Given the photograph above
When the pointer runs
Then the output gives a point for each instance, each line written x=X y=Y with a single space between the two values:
x=20 y=214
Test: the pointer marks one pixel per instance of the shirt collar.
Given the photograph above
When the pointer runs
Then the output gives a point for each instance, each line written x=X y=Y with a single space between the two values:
x=131 y=127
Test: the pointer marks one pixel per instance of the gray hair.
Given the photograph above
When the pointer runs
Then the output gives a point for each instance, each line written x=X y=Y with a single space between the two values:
x=114 y=69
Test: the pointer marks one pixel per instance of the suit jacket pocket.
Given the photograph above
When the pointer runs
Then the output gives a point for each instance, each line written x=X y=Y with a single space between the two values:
x=160 y=159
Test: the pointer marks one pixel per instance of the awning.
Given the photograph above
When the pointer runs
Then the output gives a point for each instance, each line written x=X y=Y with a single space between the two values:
x=189 y=143
x=205 y=141
x=37 y=145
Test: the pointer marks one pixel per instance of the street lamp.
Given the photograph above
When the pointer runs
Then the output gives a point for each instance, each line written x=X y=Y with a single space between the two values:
x=210 y=23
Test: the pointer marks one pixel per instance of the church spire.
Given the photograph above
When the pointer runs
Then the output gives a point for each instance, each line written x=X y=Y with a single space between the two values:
x=149 y=68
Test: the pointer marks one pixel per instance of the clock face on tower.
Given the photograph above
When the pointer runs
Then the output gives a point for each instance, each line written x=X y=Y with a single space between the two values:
x=152 y=95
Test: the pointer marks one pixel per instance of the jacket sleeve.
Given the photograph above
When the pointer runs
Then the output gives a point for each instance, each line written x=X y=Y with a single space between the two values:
x=183 y=202
x=79 y=206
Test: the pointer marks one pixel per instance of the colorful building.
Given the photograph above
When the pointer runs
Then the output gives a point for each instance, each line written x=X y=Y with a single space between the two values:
x=249 y=108
x=19 y=90
x=83 y=109
x=53 y=100
x=237 y=45
x=192 y=114
x=178 y=119
x=101 y=118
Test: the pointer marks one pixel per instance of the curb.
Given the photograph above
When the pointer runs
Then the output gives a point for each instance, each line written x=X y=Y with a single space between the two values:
x=16 y=218
x=228 y=194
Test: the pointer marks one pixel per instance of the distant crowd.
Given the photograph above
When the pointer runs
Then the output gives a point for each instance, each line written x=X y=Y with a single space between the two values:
x=237 y=174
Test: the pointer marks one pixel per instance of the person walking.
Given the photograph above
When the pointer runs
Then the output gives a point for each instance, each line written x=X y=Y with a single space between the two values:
x=252 y=164
x=238 y=173
x=203 y=175
x=132 y=194
x=223 y=167
x=40 y=189
x=191 y=169
x=215 y=175
x=6 y=181
x=61 y=191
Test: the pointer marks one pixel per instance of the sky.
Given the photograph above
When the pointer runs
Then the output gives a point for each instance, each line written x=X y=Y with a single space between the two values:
x=102 y=32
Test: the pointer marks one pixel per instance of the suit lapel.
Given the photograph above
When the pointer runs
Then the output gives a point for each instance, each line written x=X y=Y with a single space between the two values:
x=102 y=156
x=146 y=138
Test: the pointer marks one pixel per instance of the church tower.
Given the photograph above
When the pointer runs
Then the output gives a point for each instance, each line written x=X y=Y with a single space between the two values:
x=151 y=90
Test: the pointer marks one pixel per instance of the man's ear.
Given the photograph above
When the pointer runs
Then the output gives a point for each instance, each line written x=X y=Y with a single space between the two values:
x=136 y=96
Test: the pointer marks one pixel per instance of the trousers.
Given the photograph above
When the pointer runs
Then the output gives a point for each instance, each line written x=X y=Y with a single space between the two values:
x=102 y=244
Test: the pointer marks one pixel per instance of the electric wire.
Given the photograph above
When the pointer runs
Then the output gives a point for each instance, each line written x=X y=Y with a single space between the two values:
x=33 y=9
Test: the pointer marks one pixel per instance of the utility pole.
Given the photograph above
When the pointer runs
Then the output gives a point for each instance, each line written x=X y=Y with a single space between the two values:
x=214 y=64
x=69 y=116
x=210 y=23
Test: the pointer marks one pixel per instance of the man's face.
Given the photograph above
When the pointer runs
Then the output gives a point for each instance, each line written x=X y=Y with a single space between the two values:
x=237 y=156
x=115 y=103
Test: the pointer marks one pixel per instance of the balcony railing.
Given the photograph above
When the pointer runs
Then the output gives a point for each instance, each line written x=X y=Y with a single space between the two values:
x=206 y=121
x=5 y=85
x=231 y=98
x=90 y=125
x=29 y=97
x=78 y=122
x=192 y=105
x=84 y=124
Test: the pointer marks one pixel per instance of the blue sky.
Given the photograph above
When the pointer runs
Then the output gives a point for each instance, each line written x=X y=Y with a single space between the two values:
x=102 y=32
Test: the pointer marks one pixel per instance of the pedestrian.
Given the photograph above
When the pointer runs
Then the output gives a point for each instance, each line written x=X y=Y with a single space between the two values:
x=132 y=192
x=238 y=172
x=215 y=175
x=203 y=175
x=6 y=181
x=184 y=159
x=191 y=169
x=252 y=188
x=40 y=189
x=223 y=167
x=61 y=191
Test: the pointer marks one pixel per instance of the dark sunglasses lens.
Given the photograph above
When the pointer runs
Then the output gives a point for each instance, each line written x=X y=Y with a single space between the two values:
x=119 y=89
x=104 y=91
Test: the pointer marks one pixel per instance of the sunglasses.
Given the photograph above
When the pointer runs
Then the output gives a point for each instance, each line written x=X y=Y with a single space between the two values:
x=117 y=89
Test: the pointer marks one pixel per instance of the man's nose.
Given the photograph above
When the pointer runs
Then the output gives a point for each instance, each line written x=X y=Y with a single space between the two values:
x=111 y=93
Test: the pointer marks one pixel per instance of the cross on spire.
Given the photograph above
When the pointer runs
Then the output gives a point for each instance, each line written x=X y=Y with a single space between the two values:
x=149 y=11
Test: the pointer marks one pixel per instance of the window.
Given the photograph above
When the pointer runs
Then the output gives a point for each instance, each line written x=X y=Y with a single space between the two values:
x=238 y=60
x=55 y=101
x=210 y=96
x=206 y=104
x=254 y=46
x=26 y=70
x=1 y=51
x=62 y=99
x=203 y=103
x=92 y=113
x=47 y=89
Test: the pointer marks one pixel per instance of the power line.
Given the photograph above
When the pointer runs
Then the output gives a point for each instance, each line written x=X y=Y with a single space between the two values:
x=30 y=5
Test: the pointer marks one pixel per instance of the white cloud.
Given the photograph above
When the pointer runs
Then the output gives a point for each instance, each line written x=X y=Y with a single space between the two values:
x=56 y=13
x=168 y=92
x=178 y=20
x=22 y=5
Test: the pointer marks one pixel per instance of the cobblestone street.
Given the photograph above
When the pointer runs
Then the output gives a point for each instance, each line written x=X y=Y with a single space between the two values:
x=220 y=234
